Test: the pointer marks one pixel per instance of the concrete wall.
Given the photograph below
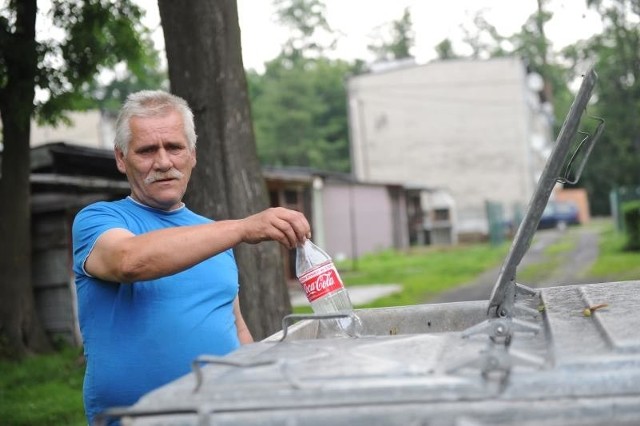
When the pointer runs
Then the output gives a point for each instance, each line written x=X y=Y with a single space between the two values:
x=88 y=128
x=471 y=127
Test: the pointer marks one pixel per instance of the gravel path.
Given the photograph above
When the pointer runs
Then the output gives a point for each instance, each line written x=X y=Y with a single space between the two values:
x=572 y=266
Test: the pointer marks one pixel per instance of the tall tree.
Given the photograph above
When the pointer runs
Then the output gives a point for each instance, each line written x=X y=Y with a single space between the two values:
x=300 y=113
x=299 y=102
x=205 y=68
x=148 y=73
x=444 y=50
x=615 y=54
x=99 y=33
x=532 y=44
x=484 y=39
x=399 y=42
x=307 y=24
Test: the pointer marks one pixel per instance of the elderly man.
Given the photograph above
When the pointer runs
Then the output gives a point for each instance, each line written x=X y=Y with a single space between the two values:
x=158 y=284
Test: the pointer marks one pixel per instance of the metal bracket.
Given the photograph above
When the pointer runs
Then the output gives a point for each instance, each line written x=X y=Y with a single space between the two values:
x=196 y=365
x=501 y=330
x=509 y=308
x=589 y=141
x=497 y=360
x=352 y=330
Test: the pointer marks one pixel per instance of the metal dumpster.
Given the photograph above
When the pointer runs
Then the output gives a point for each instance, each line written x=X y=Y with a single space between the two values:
x=564 y=355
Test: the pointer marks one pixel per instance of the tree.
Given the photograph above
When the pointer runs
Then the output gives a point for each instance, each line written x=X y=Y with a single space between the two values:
x=147 y=74
x=400 y=41
x=484 y=39
x=205 y=68
x=532 y=44
x=99 y=33
x=300 y=113
x=444 y=50
x=308 y=24
x=615 y=54
x=299 y=103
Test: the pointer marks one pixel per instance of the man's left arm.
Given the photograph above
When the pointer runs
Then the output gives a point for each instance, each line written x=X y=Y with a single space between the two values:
x=244 y=335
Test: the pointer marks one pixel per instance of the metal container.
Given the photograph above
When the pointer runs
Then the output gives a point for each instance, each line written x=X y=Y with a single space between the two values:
x=565 y=355
x=440 y=364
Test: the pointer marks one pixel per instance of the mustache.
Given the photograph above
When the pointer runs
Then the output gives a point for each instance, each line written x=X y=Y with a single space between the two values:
x=170 y=174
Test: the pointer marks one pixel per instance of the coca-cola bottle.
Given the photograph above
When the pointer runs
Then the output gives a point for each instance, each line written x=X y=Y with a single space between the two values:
x=320 y=280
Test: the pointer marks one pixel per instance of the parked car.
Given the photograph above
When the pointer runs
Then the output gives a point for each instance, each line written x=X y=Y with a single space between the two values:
x=559 y=214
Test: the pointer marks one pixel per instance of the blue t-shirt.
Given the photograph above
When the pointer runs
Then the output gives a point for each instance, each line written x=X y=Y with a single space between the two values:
x=140 y=336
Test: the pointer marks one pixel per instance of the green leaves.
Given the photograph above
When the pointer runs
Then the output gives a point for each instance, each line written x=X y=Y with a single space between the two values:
x=98 y=35
x=299 y=112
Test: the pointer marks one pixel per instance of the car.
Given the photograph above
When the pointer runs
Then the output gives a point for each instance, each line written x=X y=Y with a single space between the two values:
x=559 y=214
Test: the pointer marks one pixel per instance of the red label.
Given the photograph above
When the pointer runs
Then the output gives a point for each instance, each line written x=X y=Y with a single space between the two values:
x=321 y=281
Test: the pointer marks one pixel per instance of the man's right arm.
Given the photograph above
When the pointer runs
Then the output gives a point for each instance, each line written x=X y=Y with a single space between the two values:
x=120 y=256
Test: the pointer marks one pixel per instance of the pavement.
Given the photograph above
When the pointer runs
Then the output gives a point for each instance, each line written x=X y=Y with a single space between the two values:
x=359 y=295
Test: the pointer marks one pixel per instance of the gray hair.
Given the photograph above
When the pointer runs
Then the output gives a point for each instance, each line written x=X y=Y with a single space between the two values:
x=152 y=103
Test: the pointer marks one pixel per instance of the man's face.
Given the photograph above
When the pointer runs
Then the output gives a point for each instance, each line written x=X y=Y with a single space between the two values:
x=159 y=161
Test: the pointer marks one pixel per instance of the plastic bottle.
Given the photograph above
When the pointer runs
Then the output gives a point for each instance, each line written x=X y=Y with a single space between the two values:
x=320 y=280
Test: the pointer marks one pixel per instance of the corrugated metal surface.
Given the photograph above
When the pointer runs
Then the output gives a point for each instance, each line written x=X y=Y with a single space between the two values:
x=430 y=365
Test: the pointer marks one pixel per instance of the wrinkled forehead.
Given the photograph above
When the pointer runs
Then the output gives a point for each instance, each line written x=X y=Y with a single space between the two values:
x=157 y=128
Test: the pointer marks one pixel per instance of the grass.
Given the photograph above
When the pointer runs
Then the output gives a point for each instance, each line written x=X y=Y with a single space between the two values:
x=42 y=390
x=614 y=263
x=423 y=272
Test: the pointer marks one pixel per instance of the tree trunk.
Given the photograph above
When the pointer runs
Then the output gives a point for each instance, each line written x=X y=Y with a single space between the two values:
x=20 y=329
x=205 y=68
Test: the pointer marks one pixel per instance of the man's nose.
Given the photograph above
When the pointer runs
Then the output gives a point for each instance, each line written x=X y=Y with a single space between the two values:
x=163 y=161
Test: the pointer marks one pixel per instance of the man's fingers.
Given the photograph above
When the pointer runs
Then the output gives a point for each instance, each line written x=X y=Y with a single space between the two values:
x=289 y=234
x=288 y=227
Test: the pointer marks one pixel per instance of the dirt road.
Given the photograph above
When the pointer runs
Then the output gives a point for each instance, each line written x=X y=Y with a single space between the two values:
x=562 y=268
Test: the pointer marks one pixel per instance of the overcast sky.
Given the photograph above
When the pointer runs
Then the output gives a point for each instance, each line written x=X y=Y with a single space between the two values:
x=433 y=21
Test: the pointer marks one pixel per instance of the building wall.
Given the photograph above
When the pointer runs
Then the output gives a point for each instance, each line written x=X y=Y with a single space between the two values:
x=88 y=128
x=358 y=219
x=465 y=126
x=53 y=282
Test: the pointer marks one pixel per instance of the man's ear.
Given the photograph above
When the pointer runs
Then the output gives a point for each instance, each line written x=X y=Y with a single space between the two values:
x=193 y=156
x=120 y=160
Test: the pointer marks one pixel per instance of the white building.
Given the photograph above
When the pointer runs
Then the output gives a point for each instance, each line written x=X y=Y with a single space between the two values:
x=91 y=128
x=479 y=129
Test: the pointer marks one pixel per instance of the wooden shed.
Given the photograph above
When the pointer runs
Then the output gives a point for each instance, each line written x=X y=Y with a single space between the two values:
x=64 y=179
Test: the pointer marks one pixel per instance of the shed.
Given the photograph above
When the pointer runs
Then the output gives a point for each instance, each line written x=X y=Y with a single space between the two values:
x=64 y=179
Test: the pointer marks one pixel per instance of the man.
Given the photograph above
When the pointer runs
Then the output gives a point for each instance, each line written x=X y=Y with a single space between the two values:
x=157 y=284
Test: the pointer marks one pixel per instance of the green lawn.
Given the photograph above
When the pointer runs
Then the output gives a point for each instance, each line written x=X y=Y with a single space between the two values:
x=42 y=390
x=614 y=263
x=423 y=272
x=47 y=389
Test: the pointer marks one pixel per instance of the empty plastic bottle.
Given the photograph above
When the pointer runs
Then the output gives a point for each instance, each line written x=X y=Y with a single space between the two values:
x=320 y=280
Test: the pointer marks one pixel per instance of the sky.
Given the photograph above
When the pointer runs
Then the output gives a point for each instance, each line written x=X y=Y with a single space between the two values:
x=358 y=21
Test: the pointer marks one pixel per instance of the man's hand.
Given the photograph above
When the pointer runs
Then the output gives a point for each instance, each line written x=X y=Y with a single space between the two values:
x=288 y=227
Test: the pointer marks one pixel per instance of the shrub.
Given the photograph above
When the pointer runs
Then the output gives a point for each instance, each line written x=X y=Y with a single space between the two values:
x=631 y=215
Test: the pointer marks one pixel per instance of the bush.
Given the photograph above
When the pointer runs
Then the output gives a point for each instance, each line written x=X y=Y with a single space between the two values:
x=631 y=215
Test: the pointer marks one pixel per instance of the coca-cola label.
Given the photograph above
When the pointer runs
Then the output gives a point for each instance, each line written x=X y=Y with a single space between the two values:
x=321 y=281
